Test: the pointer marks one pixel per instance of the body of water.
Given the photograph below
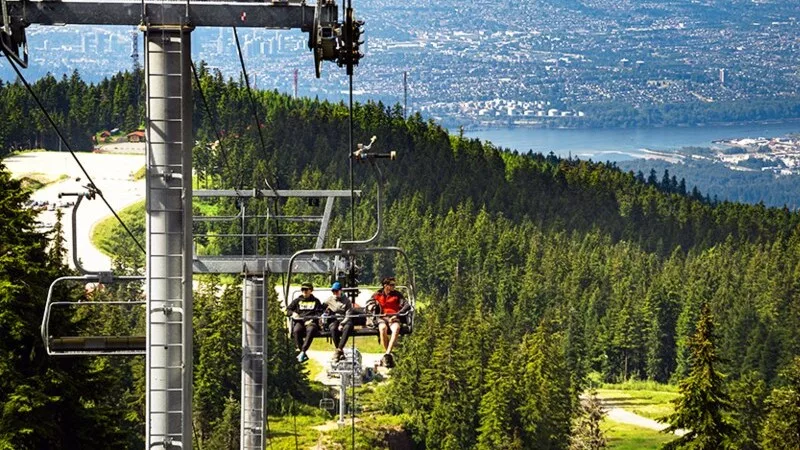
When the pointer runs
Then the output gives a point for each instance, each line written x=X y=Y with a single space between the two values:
x=623 y=144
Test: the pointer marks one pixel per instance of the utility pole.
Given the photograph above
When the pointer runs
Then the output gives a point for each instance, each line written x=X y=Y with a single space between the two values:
x=136 y=66
x=167 y=28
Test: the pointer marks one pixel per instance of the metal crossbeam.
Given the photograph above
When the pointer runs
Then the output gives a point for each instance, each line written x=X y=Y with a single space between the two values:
x=198 y=13
x=255 y=264
x=283 y=193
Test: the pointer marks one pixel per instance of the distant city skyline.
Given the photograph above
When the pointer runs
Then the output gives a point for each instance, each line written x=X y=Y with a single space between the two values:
x=491 y=62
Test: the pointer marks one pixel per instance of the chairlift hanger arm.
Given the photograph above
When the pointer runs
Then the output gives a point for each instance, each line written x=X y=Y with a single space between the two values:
x=200 y=13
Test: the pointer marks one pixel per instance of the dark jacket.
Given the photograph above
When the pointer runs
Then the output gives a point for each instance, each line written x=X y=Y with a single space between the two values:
x=305 y=309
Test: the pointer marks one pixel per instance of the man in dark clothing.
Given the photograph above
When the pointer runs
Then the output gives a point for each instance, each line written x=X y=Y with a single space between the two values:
x=305 y=311
x=390 y=307
x=338 y=309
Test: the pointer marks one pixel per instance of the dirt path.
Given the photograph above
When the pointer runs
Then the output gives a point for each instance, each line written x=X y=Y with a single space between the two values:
x=111 y=174
x=624 y=416
x=621 y=415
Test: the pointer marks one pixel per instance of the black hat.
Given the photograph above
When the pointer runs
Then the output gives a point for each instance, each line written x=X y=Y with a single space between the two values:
x=307 y=285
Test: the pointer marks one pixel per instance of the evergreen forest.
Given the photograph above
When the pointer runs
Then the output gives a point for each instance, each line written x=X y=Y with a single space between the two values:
x=534 y=274
x=734 y=185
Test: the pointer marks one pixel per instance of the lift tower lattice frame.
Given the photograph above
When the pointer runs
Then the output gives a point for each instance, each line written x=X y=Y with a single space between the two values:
x=167 y=26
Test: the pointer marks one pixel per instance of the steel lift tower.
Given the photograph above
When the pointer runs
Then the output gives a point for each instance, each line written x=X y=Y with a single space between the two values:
x=167 y=26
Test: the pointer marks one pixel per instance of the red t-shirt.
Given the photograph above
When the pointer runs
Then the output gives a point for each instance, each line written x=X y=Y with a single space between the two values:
x=390 y=303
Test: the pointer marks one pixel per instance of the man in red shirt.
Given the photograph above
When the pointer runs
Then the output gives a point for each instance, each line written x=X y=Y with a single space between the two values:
x=390 y=307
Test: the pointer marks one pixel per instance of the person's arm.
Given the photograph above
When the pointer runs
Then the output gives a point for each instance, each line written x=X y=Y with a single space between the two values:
x=327 y=306
x=372 y=305
x=293 y=310
x=293 y=306
x=348 y=309
x=405 y=306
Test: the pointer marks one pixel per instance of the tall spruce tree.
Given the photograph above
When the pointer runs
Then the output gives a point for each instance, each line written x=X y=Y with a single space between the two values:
x=703 y=405
x=499 y=425
x=748 y=395
x=546 y=406
x=782 y=426
x=47 y=402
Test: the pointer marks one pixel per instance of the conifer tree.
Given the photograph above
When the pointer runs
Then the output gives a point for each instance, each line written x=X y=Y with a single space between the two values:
x=546 y=405
x=702 y=407
x=217 y=342
x=748 y=395
x=47 y=402
x=226 y=428
x=782 y=426
x=499 y=428
x=586 y=431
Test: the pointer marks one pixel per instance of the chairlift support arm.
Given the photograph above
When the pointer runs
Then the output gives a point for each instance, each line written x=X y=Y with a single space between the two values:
x=362 y=154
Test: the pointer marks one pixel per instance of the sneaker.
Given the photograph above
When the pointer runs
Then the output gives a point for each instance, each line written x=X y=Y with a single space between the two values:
x=338 y=355
x=302 y=357
x=387 y=361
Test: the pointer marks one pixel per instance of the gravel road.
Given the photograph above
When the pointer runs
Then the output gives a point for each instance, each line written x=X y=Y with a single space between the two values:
x=111 y=173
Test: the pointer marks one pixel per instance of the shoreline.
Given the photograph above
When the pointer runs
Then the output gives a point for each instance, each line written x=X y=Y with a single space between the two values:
x=471 y=128
x=628 y=143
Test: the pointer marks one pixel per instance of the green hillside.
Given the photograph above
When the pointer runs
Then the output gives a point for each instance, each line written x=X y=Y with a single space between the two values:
x=535 y=271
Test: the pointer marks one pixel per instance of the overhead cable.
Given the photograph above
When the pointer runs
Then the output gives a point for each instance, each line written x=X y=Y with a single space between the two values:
x=253 y=105
x=214 y=122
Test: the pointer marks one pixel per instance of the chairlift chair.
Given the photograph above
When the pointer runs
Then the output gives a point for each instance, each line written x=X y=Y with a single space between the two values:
x=351 y=289
x=347 y=253
x=82 y=345
x=89 y=345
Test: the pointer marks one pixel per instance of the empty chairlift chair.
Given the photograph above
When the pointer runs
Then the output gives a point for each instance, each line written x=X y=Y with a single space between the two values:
x=83 y=344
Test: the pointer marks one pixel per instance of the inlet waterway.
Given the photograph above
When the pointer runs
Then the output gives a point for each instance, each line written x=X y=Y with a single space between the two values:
x=623 y=144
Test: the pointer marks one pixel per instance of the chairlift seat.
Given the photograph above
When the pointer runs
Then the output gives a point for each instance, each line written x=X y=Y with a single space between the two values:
x=360 y=327
x=90 y=345
x=99 y=344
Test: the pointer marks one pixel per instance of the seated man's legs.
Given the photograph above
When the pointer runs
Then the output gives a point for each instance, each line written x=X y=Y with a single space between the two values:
x=312 y=331
x=347 y=328
x=333 y=326
x=299 y=334
x=395 y=326
x=383 y=332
